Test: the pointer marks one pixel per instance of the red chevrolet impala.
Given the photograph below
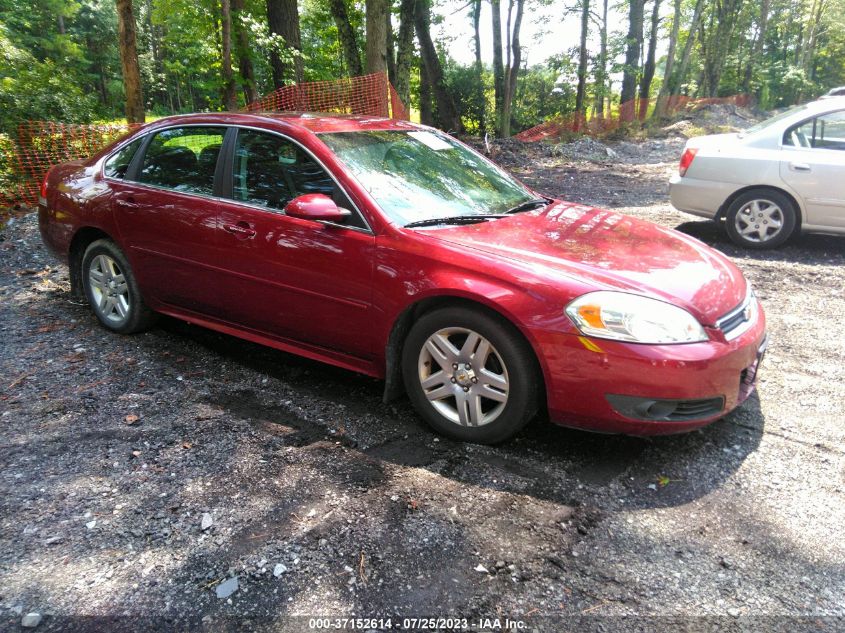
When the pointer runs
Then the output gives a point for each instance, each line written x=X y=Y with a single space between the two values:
x=394 y=250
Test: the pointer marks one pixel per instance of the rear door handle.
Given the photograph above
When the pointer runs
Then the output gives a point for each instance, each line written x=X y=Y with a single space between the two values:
x=799 y=167
x=127 y=203
x=242 y=230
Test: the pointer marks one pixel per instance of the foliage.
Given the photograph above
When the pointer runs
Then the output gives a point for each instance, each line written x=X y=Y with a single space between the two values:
x=33 y=89
x=59 y=59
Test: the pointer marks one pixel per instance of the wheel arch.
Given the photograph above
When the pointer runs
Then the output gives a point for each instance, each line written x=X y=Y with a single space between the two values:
x=799 y=220
x=393 y=384
x=82 y=239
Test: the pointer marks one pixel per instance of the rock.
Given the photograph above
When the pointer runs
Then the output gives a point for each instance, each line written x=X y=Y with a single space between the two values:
x=207 y=521
x=733 y=612
x=482 y=569
x=279 y=569
x=91 y=524
x=500 y=564
x=54 y=540
x=31 y=620
x=227 y=587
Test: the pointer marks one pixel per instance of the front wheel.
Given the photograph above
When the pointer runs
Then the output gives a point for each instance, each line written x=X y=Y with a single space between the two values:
x=761 y=219
x=470 y=375
x=111 y=289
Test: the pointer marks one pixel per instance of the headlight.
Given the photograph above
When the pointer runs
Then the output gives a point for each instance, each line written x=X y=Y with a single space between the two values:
x=626 y=317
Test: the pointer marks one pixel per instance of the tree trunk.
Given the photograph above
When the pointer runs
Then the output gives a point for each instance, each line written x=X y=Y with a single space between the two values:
x=230 y=99
x=391 y=45
x=678 y=80
x=479 y=68
x=426 y=115
x=376 y=40
x=662 y=95
x=283 y=19
x=602 y=89
x=632 y=54
x=581 y=93
x=498 y=68
x=446 y=114
x=757 y=48
x=245 y=66
x=405 y=51
x=650 y=62
x=346 y=33
x=512 y=72
x=129 y=62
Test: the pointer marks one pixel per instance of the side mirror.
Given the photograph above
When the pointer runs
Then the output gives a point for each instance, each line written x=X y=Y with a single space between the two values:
x=316 y=207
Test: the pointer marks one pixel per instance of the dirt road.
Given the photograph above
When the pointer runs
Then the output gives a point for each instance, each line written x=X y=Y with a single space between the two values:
x=141 y=475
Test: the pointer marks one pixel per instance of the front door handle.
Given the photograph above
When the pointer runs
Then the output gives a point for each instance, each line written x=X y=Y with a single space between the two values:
x=241 y=230
x=800 y=167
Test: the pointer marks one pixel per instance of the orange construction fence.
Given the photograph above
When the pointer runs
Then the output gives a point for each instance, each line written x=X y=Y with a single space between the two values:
x=25 y=160
x=629 y=112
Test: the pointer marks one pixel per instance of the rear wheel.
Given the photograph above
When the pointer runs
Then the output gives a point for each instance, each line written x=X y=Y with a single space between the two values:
x=111 y=289
x=761 y=219
x=470 y=376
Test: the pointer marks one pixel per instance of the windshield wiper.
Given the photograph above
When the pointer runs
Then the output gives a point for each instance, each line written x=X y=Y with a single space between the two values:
x=456 y=219
x=530 y=204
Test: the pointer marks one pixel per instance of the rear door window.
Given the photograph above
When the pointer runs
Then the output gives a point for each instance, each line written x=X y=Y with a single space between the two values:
x=823 y=132
x=183 y=159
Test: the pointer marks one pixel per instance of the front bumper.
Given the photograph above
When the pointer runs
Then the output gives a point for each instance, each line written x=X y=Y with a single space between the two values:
x=582 y=372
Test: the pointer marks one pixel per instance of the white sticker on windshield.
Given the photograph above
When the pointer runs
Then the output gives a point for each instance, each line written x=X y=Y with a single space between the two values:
x=432 y=141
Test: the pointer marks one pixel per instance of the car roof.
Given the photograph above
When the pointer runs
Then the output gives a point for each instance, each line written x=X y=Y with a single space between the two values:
x=315 y=122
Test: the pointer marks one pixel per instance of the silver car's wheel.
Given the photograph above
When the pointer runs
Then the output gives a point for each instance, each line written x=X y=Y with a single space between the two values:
x=470 y=374
x=463 y=376
x=761 y=219
x=109 y=290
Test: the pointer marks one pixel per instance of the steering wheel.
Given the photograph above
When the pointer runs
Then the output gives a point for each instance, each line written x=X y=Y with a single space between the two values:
x=399 y=158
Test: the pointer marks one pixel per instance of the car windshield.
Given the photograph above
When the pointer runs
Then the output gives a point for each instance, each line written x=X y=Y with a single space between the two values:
x=775 y=119
x=419 y=175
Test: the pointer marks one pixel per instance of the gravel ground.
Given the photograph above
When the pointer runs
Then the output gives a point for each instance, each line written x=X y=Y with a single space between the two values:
x=181 y=479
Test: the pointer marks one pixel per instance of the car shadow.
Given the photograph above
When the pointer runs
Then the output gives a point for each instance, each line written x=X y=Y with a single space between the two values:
x=545 y=461
x=799 y=247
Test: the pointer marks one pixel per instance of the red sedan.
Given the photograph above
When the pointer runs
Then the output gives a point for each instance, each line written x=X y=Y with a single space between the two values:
x=394 y=250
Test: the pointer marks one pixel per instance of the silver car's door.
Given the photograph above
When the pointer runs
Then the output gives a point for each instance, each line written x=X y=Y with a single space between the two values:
x=813 y=165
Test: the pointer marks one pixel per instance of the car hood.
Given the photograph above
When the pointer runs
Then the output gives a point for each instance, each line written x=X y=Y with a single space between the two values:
x=611 y=251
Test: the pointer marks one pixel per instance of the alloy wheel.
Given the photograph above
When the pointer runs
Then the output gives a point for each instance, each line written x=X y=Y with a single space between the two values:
x=463 y=377
x=109 y=290
x=759 y=221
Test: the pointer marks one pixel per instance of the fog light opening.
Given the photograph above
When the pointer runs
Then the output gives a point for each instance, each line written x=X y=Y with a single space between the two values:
x=657 y=409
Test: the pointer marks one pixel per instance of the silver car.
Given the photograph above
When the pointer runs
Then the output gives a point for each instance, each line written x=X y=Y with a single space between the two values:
x=783 y=176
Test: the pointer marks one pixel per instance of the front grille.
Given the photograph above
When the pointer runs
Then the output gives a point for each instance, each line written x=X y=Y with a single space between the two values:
x=738 y=320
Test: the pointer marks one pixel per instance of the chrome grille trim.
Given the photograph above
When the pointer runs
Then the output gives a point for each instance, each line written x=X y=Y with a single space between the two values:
x=739 y=320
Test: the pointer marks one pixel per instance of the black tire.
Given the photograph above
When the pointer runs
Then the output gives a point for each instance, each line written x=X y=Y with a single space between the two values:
x=750 y=219
x=507 y=369
x=111 y=289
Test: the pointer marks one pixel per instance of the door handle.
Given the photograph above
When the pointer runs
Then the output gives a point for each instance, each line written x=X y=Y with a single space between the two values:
x=241 y=230
x=127 y=203
x=799 y=167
